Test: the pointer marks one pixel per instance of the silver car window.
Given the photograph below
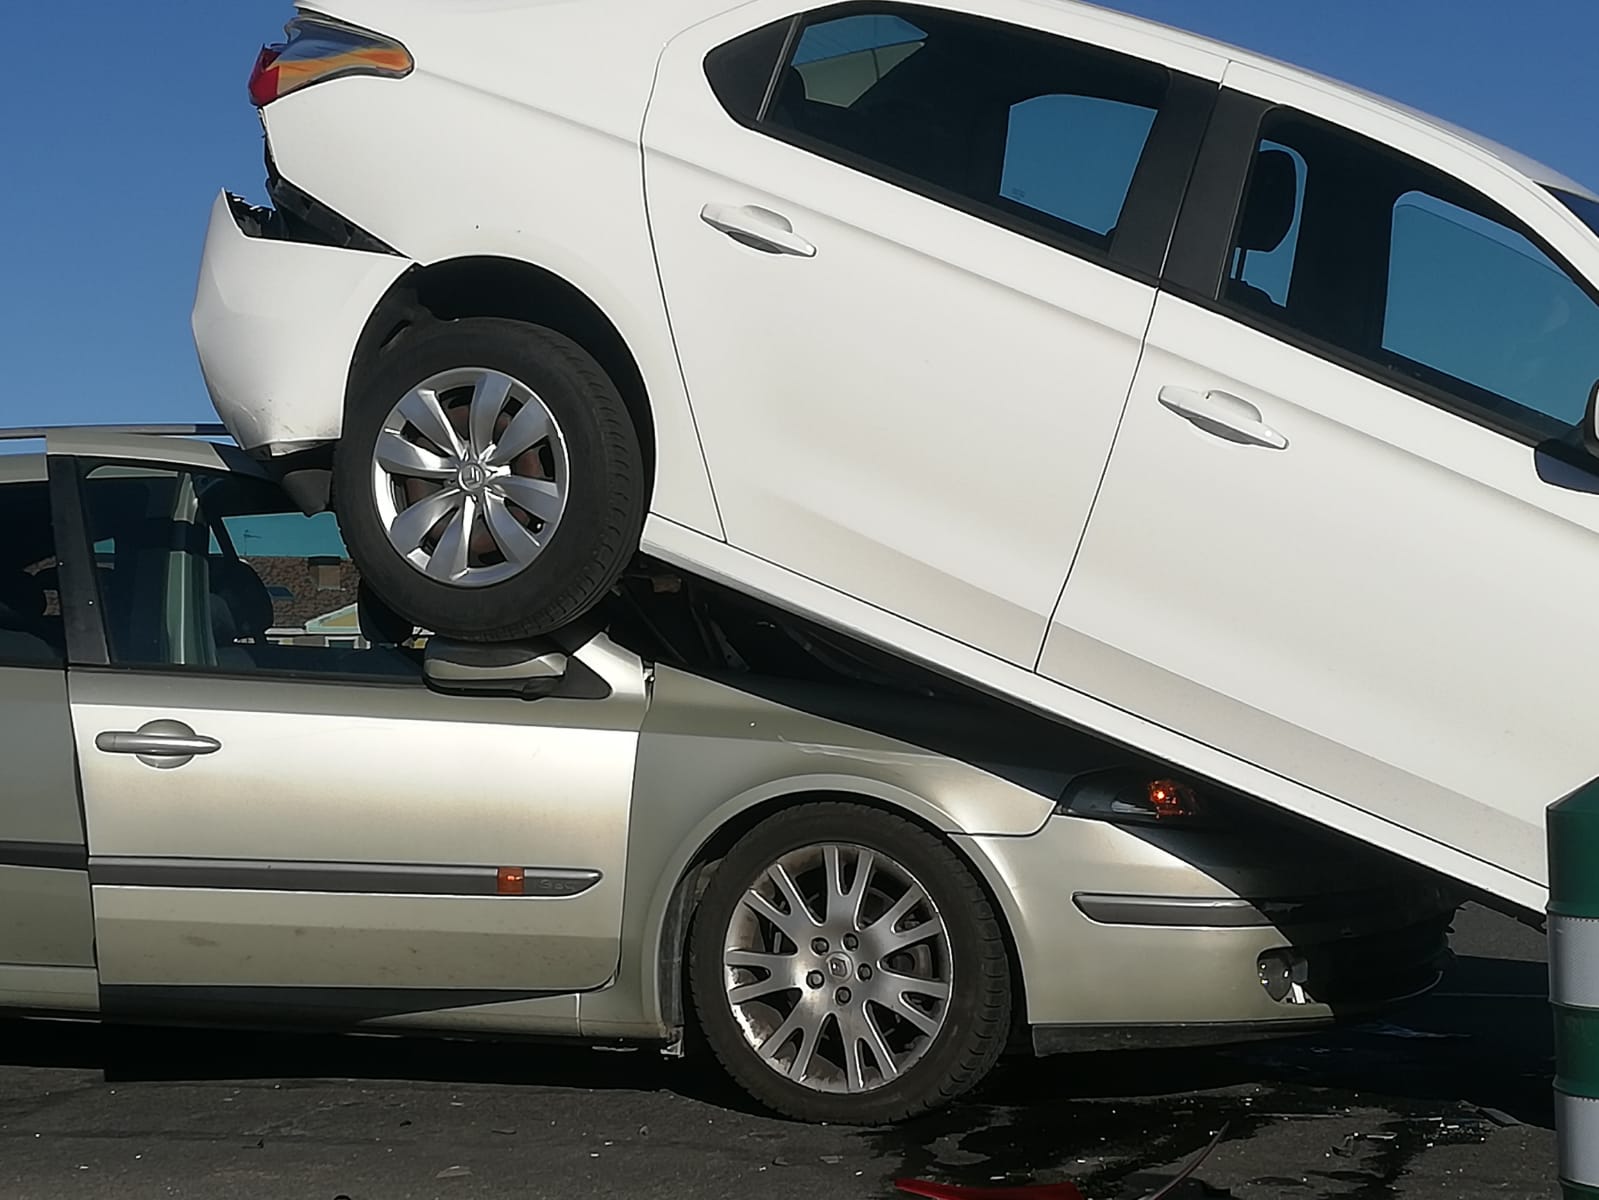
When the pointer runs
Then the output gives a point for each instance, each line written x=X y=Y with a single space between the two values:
x=219 y=573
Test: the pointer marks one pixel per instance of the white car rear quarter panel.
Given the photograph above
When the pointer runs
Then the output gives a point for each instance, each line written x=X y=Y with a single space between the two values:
x=516 y=137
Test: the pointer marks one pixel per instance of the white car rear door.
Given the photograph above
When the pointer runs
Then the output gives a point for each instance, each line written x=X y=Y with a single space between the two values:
x=909 y=275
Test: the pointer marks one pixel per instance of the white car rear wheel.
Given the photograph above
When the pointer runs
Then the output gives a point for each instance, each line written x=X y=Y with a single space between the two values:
x=489 y=480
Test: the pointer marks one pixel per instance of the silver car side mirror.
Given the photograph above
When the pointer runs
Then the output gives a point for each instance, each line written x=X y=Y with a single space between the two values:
x=528 y=670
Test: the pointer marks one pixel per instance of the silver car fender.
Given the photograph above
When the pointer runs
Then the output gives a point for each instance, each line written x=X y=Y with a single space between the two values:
x=713 y=760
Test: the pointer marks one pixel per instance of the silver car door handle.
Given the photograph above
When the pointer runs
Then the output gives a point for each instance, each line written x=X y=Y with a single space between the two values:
x=758 y=228
x=156 y=745
x=160 y=744
x=1225 y=416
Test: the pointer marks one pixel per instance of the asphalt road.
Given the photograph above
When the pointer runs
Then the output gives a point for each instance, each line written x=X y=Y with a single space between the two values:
x=1449 y=1098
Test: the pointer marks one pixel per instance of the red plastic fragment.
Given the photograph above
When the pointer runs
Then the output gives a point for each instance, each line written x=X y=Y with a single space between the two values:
x=1047 y=1191
x=264 y=77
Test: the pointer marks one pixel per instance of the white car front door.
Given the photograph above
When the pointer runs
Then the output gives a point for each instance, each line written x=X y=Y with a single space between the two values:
x=1343 y=533
x=909 y=274
x=280 y=813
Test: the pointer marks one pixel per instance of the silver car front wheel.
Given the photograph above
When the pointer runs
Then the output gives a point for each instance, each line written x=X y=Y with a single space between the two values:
x=838 y=968
x=844 y=967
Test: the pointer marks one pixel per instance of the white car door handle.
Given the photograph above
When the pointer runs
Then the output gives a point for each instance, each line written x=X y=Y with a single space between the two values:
x=758 y=228
x=157 y=743
x=1224 y=415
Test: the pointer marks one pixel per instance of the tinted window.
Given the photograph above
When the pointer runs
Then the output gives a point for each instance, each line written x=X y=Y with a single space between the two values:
x=741 y=71
x=1475 y=301
x=217 y=573
x=1384 y=258
x=1050 y=141
x=31 y=630
x=1010 y=120
x=1261 y=266
x=839 y=60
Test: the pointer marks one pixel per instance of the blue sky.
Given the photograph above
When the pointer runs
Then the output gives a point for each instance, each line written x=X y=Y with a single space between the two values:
x=119 y=121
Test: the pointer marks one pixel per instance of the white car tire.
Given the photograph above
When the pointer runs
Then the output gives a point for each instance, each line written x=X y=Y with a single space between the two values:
x=489 y=481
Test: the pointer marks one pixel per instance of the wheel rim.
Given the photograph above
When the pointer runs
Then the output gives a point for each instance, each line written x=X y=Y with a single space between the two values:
x=470 y=476
x=837 y=968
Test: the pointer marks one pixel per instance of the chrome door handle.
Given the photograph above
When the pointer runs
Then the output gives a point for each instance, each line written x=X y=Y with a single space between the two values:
x=1224 y=415
x=159 y=744
x=758 y=228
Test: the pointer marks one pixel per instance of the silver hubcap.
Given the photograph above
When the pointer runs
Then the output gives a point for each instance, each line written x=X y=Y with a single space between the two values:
x=837 y=968
x=470 y=477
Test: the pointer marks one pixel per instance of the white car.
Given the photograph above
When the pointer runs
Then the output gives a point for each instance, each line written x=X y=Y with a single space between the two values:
x=1222 y=410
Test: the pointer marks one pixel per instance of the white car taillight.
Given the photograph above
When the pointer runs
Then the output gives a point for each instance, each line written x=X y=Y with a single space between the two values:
x=319 y=49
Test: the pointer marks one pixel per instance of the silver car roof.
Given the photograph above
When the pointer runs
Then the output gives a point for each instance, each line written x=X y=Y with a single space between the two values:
x=177 y=444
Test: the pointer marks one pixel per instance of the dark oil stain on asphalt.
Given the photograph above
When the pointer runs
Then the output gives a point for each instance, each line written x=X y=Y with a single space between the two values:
x=1395 y=1145
x=1043 y=1122
x=1091 y=1144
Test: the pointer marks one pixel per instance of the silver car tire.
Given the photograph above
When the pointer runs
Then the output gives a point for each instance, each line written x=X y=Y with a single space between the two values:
x=829 y=995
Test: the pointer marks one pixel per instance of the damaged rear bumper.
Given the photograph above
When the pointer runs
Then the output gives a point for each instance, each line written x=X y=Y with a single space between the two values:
x=276 y=323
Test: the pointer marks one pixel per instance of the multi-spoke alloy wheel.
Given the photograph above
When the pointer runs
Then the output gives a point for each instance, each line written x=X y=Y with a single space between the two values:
x=489 y=481
x=470 y=476
x=846 y=966
x=838 y=968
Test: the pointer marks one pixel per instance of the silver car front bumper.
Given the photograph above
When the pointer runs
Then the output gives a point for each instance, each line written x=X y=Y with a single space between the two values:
x=1132 y=936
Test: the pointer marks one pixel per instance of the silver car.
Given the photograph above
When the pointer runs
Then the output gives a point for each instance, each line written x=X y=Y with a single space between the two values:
x=239 y=790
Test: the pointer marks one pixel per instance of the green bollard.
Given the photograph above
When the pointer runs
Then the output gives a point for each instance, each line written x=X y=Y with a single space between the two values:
x=1574 y=986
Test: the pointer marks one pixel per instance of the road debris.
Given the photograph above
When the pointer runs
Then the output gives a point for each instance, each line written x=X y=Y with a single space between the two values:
x=1046 y=1191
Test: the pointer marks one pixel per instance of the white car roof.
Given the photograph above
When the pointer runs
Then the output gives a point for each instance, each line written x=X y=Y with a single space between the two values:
x=682 y=14
x=1533 y=169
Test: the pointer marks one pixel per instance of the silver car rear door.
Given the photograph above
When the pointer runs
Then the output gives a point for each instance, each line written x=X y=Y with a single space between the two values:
x=47 y=932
